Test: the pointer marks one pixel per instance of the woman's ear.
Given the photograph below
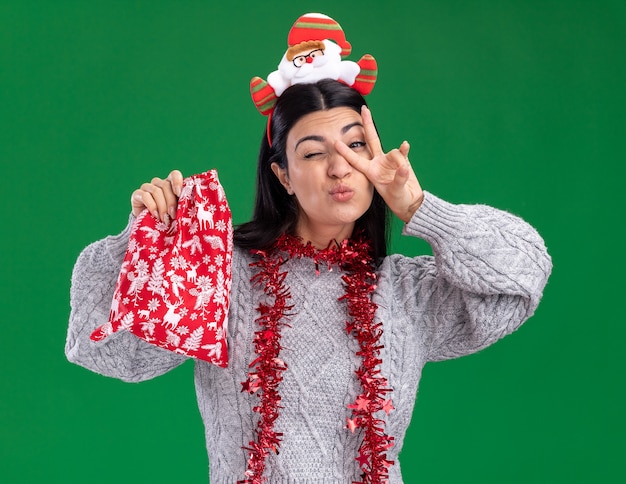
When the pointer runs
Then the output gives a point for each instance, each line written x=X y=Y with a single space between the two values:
x=283 y=178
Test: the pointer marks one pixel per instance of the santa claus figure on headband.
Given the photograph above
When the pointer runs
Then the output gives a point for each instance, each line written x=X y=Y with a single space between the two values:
x=316 y=45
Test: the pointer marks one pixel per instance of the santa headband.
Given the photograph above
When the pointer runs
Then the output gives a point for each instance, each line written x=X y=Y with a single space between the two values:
x=316 y=44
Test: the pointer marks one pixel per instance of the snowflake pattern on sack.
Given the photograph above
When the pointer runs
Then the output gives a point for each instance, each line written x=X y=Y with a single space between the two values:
x=173 y=290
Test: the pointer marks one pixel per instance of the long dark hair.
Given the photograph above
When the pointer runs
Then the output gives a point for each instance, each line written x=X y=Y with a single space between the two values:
x=275 y=211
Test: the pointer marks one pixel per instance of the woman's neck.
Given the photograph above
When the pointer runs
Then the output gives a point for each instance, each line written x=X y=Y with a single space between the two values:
x=321 y=237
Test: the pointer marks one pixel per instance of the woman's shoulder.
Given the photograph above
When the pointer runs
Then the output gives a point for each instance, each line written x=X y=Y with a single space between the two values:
x=395 y=270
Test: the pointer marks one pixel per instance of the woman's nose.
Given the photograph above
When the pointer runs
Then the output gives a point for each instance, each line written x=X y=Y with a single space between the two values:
x=338 y=166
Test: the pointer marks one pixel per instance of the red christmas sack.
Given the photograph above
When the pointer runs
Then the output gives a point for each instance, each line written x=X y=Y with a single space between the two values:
x=173 y=290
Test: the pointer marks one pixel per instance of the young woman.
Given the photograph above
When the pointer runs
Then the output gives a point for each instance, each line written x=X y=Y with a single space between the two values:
x=360 y=323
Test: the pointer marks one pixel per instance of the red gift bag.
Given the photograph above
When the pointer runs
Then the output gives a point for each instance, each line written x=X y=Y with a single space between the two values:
x=173 y=290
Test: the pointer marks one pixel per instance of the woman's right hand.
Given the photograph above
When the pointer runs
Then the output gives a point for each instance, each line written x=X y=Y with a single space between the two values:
x=159 y=196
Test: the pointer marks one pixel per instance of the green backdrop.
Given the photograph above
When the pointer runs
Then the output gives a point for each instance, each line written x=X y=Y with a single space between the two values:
x=517 y=104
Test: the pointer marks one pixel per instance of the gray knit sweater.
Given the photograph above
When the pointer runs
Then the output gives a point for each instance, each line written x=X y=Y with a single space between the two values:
x=485 y=279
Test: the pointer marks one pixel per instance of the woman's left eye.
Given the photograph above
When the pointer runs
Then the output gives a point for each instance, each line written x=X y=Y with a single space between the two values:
x=355 y=145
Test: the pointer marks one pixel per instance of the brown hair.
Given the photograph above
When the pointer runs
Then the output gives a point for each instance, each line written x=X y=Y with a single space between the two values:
x=294 y=50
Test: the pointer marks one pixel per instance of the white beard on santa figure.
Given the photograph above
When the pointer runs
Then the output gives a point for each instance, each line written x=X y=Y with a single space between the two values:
x=327 y=66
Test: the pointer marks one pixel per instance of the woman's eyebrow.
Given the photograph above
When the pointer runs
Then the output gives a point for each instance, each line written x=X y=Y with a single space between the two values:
x=314 y=137
x=348 y=127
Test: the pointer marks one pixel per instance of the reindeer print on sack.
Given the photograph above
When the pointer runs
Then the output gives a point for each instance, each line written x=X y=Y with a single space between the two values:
x=171 y=319
x=205 y=216
x=173 y=289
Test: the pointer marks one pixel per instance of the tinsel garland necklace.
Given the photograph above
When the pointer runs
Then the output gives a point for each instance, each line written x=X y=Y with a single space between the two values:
x=355 y=259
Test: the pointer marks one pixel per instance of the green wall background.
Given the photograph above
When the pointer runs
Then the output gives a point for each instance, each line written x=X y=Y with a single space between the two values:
x=517 y=104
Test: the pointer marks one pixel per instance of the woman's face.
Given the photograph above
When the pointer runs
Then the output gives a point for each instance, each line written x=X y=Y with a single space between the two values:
x=331 y=194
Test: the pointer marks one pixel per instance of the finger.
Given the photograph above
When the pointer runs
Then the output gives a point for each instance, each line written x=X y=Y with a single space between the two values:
x=176 y=179
x=357 y=161
x=402 y=171
x=371 y=136
x=155 y=189
x=141 y=200
x=396 y=159
x=401 y=176
x=171 y=200
x=404 y=149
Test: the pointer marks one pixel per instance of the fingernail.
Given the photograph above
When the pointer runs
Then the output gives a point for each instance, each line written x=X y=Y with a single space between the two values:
x=166 y=219
x=155 y=214
x=172 y=212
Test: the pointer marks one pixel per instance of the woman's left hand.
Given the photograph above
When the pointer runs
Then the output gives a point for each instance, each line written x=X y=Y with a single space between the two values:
x=390 y=173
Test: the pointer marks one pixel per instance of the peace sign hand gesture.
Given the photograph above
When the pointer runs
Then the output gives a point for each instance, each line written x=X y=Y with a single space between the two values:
x=390 y=173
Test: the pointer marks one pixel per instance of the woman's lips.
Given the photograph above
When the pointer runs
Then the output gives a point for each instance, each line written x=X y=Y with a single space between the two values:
x=341 y=193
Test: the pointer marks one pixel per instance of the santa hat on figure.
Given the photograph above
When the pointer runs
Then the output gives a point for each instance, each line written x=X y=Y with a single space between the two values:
x=316 y=45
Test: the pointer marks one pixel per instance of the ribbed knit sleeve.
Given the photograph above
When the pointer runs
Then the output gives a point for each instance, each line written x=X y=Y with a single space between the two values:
x=121 y=355
x=485 y=279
